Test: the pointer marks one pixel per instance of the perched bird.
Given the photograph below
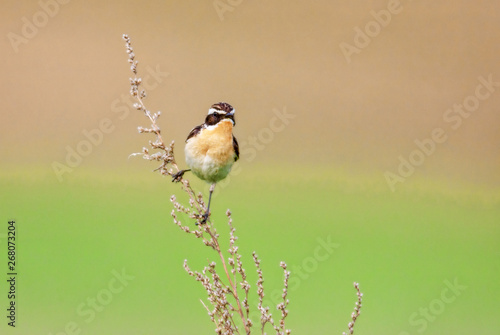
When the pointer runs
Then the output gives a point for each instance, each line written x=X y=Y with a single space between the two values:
x=211 y=148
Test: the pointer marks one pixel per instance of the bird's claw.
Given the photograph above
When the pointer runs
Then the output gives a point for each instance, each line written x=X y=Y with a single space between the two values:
x=178 y=176
x=203 y=218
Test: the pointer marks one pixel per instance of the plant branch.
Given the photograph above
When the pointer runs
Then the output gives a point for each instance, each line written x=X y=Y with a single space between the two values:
x=217 y=290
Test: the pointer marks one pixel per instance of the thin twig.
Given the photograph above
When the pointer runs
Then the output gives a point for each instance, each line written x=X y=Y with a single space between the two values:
x=357 y=309
x=217 y=291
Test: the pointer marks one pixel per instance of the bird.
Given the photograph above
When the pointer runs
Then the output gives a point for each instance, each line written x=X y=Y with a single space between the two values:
x=211 y=148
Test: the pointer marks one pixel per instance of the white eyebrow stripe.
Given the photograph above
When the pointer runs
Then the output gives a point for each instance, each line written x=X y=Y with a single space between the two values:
x=213 y=110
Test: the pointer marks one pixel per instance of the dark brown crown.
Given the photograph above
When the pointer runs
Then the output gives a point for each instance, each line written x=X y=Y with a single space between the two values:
x=223 y=107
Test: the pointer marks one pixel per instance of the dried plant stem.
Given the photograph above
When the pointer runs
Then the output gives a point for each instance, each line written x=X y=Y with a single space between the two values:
x=166 y=153
x=217 y=291
x=231 y=282
x=357 y=309
x=167 y=157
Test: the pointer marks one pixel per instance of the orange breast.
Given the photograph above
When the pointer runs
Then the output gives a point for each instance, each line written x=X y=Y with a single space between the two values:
x=216 y=142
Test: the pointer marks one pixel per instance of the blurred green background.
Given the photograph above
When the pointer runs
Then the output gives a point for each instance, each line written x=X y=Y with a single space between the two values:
x=319 y=132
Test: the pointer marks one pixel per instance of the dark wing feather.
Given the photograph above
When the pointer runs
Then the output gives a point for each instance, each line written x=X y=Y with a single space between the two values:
x=236 y=148
x=195 y=131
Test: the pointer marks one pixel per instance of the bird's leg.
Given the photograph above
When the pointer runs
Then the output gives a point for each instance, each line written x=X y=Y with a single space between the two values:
x=178 y=176
x=207 y=213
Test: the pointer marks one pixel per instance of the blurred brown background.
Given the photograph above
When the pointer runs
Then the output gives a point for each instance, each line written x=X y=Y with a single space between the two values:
x=71 y=72
x=351 y=119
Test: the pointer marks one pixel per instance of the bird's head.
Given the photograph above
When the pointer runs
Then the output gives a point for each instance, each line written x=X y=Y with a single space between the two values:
x=218 y=112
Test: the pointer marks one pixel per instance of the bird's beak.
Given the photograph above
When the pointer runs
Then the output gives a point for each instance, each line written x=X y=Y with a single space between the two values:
x=231 y=116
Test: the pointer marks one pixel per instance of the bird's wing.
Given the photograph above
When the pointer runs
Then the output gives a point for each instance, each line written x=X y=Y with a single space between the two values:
x=236 y=148
x=195 y=131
